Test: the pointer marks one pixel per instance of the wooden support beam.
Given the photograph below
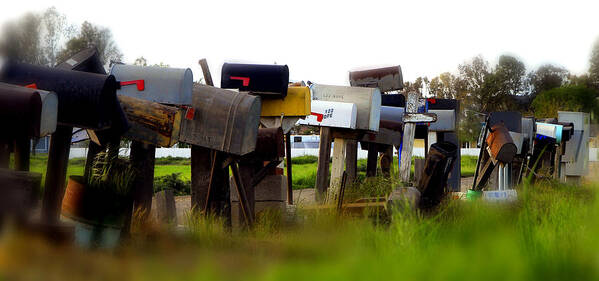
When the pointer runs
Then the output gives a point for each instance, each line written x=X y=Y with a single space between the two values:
x=336 y=169
x=4 y=154
x=142 y=159
x=387 y=161
x=372 y=160
x=201 y=162
x=289 y=171
x=22 y=153
x=351 y=160
x=247 y=210
x=408 y=139
x=56 y=172
x=324 y=155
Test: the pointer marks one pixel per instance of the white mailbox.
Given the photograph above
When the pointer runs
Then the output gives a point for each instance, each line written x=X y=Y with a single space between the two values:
x=367 y=101
x=165 y=85
x=331 y=114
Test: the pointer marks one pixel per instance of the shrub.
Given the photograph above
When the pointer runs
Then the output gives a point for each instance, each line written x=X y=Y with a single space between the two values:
x=173 y=182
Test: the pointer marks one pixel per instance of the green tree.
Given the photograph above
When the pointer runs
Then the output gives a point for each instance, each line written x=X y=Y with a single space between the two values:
x=92 y=35
x=511 y=74
x=446 y=86
x=36 y=38
x=547 y=77
x=565 y=98
x=594 y=65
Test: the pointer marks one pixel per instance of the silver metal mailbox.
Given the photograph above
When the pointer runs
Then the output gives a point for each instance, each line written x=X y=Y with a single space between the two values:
x=576 y=156
x=392 y=113
x=367 y=101
x=223 y=120
x=445 y=120
x=165 y=85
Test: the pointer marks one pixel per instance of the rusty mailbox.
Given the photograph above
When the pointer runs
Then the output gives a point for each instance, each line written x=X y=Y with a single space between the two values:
x=267 y=81
x=172 y=86
x=85 y=99
x=367 y=101
x=386 y=78
x=222 y=120
x=27 y=112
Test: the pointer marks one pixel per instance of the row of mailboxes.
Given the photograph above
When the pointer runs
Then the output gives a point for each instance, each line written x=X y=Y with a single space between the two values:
x=27 y=112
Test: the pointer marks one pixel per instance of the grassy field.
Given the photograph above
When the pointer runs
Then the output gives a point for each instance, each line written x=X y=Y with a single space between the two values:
x=304 y=168
x=551 y=233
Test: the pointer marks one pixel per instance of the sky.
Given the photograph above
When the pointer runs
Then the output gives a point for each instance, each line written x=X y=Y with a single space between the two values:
x=322 y=41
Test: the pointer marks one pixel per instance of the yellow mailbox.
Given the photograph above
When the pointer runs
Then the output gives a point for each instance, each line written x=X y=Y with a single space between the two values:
x=296 y=103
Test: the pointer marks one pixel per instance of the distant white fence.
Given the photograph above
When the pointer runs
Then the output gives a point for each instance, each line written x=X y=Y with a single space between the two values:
x=295 y=152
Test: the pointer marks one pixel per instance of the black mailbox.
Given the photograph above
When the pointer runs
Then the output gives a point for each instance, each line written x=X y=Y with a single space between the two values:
x=267 y=81
x=85 y=99
x=88 y=60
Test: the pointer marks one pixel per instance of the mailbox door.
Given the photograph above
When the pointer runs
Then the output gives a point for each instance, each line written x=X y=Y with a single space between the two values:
x=367 y=101
x=223 y=120
x=386 y=79
x=87 y=60
x=151 y=122
x=445 y=120
x=171 y=86
x=296 y=103
x=331 y=114
x=267 y=81
x=84 y=99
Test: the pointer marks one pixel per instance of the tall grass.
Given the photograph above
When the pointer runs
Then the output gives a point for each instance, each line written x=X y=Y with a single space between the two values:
x=551 y=233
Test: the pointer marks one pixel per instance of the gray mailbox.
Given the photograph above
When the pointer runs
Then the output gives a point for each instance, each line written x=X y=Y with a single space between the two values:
x=165 y=85
x=575 y=161
x=223 y=120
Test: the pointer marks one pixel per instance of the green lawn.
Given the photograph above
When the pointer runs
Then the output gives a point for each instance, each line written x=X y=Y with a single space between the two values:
x=304 y=168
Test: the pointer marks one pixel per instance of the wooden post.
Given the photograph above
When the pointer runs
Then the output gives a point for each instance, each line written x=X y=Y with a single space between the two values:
x=56 y=172
x=289 y=171
x=247 y=170
x=351 y=160
x=4 y=154
x=372 y=160
x=206 y=71
x=22 y=153
x=408 y=139
x=387 y=161
x=336 y=169
x=324 y=155
x=248 y=212
x=200 y=176
x=218 y=198
x=143 y=159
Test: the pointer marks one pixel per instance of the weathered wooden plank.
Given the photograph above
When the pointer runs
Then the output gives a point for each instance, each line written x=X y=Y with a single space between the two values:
x=324 y=155
x=19 y=192
x=201 y=162
x=142 y=158
x=408 y=140
x=151 y=122
x=165 y=209
x=351 y=160
x=206 y=71
x=336 y=169
x=384 y=136
x=22 y=153
x=419 y=118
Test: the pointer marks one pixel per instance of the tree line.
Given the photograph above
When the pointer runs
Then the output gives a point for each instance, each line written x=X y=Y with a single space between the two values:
x=507 y=86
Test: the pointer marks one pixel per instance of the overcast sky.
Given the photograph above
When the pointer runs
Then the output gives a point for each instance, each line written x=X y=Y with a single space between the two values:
x=322 y=40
